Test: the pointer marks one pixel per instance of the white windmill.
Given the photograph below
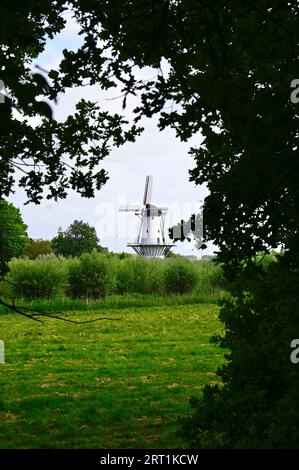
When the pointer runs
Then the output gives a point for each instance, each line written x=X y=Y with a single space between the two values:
x=150 y=240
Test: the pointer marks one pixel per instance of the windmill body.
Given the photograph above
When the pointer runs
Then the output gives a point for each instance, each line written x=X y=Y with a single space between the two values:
x=150 y=240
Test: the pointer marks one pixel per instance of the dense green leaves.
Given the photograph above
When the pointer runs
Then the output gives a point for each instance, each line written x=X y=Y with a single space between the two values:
x=179 y=276
x=224 y=69
x=78 y=238
x=42 y=278
x=38 y=247
x=228 y=65
x=95 y=275
x=52 y=156
x=256 y=407
x=13 y=236
x=91 y=276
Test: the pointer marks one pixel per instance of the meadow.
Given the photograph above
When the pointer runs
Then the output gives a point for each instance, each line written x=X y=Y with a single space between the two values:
x=110 y=384
x=122 y=382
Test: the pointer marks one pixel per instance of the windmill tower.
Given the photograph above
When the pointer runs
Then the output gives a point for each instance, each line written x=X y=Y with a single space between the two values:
x=150 y=240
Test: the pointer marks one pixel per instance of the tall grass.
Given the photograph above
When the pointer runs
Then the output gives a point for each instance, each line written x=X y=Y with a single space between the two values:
x=115 y=302
x=91 y=276
x=179 y=276
x=43 y=278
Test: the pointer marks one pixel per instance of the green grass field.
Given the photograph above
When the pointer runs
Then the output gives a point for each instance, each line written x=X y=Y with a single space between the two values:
x=109 y=384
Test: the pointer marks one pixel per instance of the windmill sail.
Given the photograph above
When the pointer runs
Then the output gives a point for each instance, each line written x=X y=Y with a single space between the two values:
x=148 y=190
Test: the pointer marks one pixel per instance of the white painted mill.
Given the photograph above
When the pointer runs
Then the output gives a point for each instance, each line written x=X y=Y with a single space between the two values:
x=150 y=240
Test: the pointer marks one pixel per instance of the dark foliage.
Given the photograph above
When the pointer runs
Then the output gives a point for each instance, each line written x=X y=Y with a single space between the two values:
x=38 y=247
x=13 y=234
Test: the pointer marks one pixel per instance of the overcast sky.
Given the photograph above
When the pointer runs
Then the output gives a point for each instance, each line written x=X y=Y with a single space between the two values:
x=155 y=153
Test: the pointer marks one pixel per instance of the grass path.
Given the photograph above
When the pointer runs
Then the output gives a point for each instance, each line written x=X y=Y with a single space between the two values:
x=107 y=384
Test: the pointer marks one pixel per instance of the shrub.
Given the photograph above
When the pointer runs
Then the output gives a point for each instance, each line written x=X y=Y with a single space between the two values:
x=139 y=275
x=140 y=278
x=124 y=275
x=210 y=282
x=257 y=405
x=77 y=239
x=74 y=288
x=43 y=278
x=95 y=275
x=179 y=275
x=38 y=247
x=155 y=276
x=132 y=275
x=214 y=276
x=91 y=276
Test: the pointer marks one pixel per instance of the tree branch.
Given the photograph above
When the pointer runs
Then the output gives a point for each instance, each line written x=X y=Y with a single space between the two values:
x=21 y=310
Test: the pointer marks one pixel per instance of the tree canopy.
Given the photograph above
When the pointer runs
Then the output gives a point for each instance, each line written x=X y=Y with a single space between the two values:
x=51 y=156
x=38 y=247
x=13 y=235
x=77 y=239
x=223 y=69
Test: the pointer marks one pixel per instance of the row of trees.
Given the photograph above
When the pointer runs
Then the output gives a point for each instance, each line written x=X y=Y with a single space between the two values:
x=94 y=275
x=78 y=238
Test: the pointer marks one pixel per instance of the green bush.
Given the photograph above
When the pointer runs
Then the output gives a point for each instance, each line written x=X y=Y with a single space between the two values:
x=179 y=275
x=132 y=275
x=96 y=275
x=140 y=275
x=91 y=276
x=257 y=405
x=214 y=276
x=125 y=275
x=210 y=278
x=155 y=276
x=140 y=279
x=43 y=278
x=74 y=288
x=38 y=247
